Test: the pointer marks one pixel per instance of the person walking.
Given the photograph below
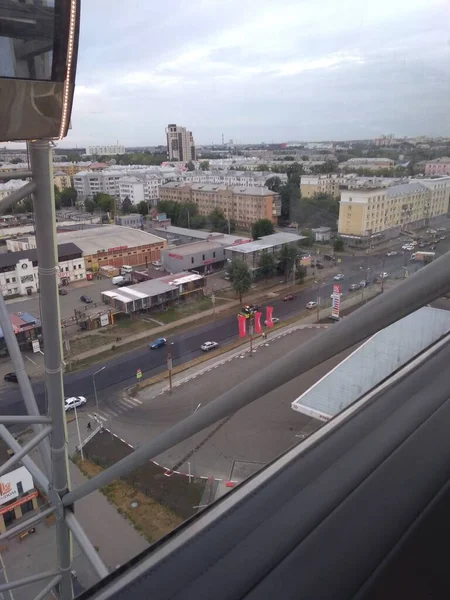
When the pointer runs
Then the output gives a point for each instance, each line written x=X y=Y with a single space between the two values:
x=89 y=427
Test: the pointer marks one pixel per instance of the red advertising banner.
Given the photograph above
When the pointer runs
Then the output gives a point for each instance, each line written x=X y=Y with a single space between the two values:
x=258 y=326
x=242 y=322
x=269 y=314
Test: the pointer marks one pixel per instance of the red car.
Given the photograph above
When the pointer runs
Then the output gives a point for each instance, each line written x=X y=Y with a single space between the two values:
x=289 y=297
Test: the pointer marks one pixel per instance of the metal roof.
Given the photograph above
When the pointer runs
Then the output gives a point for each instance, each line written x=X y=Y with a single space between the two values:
x=10 y=259
x=103 y=237
x=266 y=242
x=371 y=363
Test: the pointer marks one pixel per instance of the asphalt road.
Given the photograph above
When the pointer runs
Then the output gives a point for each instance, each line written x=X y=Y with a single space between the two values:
x=121 y=371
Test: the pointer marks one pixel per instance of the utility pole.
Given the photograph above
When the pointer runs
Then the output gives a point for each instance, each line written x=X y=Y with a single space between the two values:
x=250 y=331
x=169 y=368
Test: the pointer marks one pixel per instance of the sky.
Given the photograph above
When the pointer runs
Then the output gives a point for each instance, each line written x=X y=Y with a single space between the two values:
x=259 y=70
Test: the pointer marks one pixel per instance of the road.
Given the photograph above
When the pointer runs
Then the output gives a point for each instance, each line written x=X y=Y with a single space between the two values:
x=121 y=371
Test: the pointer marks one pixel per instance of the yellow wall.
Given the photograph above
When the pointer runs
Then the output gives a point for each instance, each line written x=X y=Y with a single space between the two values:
x=352 y=219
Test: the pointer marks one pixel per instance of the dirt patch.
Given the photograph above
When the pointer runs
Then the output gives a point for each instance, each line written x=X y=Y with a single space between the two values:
x=173 y=493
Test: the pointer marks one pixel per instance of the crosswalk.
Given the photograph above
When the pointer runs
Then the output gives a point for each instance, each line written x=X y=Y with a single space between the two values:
x=115 y=408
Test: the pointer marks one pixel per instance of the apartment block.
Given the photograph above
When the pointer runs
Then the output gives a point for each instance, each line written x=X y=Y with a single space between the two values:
x=61 y=180
x=310 y=186
x=105 y=150
x=374 y=214
x=245 y=205
x=180 y=143
x=439 y=166
x=374 y=164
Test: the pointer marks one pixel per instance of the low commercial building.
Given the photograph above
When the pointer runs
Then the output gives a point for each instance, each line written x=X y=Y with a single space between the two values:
x=27 y=329
x=182 y=235
x=19 y=270
x=251 y=252
x=135 y=221
x=202 y=256
x=115 y=245
x=155 y=293
x=321 y=234
x=18 y=496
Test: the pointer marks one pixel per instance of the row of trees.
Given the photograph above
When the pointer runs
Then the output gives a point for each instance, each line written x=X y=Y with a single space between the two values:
x=269 y=265
x=204 y=165
x=186 y=215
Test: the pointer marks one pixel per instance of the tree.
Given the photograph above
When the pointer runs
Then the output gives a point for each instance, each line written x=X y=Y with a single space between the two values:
x=190 y=166
x=218 y=221
x=286 y=259
x=104 y=202
x=68 y=196
x=263 y=167
x=241 y=278
x=16 y=161
x=126 y=206
x=309 y=238
x=262 y=227
x=274 y=184
x=338 y=244
x=89 y=206
x=267 y=265
x=204 y=165
x=199 y=222
x=142 y=208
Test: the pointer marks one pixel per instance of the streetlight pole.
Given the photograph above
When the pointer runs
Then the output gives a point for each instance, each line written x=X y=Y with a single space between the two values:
x=79 y=434
x=169 y=367
x=95 y=387
x=250 y=331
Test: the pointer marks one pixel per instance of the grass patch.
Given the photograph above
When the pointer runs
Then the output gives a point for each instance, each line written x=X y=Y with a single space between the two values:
x=150 y=518
x=186 y=310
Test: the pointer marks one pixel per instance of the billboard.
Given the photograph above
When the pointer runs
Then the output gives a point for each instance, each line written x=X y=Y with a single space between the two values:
x=336 y=302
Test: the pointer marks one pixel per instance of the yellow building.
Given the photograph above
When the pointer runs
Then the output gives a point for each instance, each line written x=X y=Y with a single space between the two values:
x=311 y=185
x=62 y=181
x=383 y=212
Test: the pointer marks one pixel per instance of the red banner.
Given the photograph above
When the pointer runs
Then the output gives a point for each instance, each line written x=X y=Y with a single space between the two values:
x=242 y=322
x=258 y=326
x=269 y=314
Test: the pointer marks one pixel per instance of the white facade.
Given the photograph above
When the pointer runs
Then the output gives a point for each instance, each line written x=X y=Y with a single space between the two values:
x=105 y=150
x=132 y=188
x=15 y=483
x=11 y=186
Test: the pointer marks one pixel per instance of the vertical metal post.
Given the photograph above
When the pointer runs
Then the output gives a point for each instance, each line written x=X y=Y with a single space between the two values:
x=45 y=220
x=79 y=434
x=250 y=331
x=169 y=368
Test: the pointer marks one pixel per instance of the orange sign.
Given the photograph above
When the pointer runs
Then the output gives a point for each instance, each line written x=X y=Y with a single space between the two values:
x=5 y=488
x=18 y=502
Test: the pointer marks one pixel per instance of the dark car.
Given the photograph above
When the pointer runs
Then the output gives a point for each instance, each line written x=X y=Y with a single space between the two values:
x=158 y=343
x=124 y=283
x=329 y=257
x=62 y=292
x=12 y=377
x=86 y=299
x=319 y=265
x=289 y=297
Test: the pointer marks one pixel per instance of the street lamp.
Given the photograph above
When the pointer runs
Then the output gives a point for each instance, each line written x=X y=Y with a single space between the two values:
x=169 y=366
x=95 y=388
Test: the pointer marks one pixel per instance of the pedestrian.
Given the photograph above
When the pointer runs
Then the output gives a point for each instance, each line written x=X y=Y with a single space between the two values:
x=89 y=428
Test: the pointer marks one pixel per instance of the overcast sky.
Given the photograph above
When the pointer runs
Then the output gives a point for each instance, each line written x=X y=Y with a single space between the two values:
x=259 y=70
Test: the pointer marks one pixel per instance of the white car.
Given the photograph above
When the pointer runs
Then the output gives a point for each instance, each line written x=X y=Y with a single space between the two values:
x=339 y=277
x=275 y=320
x=384 y=275
x=74 y=402
x=311 y=305
x=209 y=346
x=391 y=253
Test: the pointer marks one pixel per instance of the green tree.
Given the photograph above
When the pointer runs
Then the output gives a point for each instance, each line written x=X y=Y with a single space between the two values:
x=263 y=167
x=286 y=259
x=218 y=221
x=241 y=278
x=68 y=196
x=190 y=166
x=89 y=206
x=204 y=165
x=262 y=227
x=274 y=184
x=267 y=265
x=16 y=161
x=104 y=202
x=199 y=222
x=142 y=208
x=28 y=204
x=309 y=238
x=126 y=206
x=338 y=244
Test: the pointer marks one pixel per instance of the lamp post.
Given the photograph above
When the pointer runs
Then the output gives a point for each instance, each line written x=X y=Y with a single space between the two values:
x=169 y=366
x=79 y=434
x=95 y=388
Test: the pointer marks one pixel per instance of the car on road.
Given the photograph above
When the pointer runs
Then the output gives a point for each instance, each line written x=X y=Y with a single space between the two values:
x=124 y=283
x=158 y=343
x=354 y=287
x=363 y=283
x=392 y=253
x=318 y=265
x=86 y=299
x=311 y=305
x=207 y=346
x=384 y=275
x=442 y=238
x=289 y=297
x=275 y=320
x=74 y=402
x=11 y=377
x=339 y=277
x=329 y=257
x=407 y=247
x=62 y=292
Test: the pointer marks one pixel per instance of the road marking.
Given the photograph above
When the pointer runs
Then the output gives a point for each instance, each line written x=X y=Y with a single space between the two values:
x=110 y=412
x=30 y=359
x=100 y=417
x=135 y=399
x=132 y=400
x=128 y=403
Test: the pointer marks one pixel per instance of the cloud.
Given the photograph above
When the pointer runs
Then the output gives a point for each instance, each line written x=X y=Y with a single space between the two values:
x=257 y=70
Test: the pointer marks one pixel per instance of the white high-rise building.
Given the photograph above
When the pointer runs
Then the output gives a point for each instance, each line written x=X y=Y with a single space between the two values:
x=180 y=143
x=105 y=150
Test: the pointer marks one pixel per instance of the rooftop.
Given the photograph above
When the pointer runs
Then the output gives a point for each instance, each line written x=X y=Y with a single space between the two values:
x=266 y=242
x=187 y=249
x=405 y=188
x=152 y=287
x=10 y=259
x=101 y=238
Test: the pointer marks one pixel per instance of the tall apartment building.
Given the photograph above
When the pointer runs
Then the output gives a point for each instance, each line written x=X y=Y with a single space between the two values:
x=180 y=143
x=439 y=166
x=105 y=150
x=312 y=185
x=368 y=214
x=245 y=205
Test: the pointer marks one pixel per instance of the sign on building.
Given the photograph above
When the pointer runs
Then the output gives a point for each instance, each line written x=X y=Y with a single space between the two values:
x=8 y=484
x=36 y=346
x=104 y=320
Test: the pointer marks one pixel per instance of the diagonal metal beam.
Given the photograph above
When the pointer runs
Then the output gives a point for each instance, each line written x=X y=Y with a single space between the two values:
x=40 y=477
x=24 y=450
x=426 y=285
x=13 y=419
x=16 y=196
x=86 y=545
x=48 y=588
x=5 y=176
x=12 y=531
x=4 y=587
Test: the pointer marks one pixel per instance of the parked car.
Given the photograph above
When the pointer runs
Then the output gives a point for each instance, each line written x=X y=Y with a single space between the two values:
x=339 y=277
x=442 y=238
x=158 y=343
x=392 y=253
x=125 y=283
x=319 y=265
x=275 y=320
x=289 y=297
x=255 y=307
x=354 y=287
x=86 y=299
x=11 y=377
x=384 y=275
x=74 y=402
x=311 y=305
x=207 y=346
x=329 y=257
x=363 y=283
x=62 y=292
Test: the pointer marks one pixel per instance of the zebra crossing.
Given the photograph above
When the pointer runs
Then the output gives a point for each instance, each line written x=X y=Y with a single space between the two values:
x=115 y=408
